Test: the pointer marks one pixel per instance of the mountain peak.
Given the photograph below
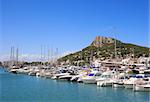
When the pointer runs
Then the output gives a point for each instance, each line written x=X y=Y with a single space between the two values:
x=101 y=41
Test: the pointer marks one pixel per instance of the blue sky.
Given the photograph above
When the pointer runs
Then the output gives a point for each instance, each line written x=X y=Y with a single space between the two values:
x=70 y=25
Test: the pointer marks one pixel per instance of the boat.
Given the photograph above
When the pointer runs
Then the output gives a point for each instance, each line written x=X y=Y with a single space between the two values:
x=75 y=78
x=32 y=73
x=118 y=84
x=142 y=87
x=24 y=70
x=106 y=83
x=105 y=79
x=14 y=69
x=91 y=78
x=128 y=84
x=119 y=80
x=47 y=75
x=65 y=77
x=56 y=76
x=79 y=76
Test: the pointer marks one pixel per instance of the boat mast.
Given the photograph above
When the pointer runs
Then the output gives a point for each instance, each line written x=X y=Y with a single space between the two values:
x=51 y=54
x=91 y=57
x=41 y=53
x=115 y=43
x=115 y=49
x=48 y=54
x=13 y=55
x=17 y=52
x=11 y=50
x=44 y=55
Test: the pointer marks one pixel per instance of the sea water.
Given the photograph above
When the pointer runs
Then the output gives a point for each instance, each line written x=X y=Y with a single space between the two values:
x=23 y=88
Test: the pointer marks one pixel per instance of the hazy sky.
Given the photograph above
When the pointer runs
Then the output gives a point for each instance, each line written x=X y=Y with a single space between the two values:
x=70 y=25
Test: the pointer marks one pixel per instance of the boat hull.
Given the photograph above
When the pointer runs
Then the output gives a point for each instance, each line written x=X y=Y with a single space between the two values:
x=89 y=81
x=104 y=84
x=141 y=88
x=128 y=86
x=118 y=85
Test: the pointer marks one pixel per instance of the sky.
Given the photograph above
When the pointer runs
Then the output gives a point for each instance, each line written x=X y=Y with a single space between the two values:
x=70 y=25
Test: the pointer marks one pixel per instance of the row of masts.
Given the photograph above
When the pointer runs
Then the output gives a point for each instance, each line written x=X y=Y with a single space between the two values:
x=46 y=54
x=49 y=55
x=14 y=55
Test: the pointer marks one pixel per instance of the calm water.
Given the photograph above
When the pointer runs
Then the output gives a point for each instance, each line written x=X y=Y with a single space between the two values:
x=23 y=88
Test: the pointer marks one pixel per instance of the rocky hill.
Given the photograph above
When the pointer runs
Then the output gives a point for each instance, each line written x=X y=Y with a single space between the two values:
x=103 y=48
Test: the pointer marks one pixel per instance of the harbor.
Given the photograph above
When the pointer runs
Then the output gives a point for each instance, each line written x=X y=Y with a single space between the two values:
x=20 y=87
x=97 y=78
x=74 y=51
x=134 y=77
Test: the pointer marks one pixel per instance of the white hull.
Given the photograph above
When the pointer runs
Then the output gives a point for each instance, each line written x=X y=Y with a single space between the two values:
x=74 y=78
x=89 y=81
x=128 y=86
x=117 y=85
x=53 y=77
x=142 y=88
x=32 y=74
x=68 y=77
x=104 y=83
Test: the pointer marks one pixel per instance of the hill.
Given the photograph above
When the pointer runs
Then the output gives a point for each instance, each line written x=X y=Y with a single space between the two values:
x=103 y=48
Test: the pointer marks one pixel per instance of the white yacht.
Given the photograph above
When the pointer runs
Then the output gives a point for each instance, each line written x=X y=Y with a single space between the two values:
x=56 y=76
x=75 y=78
x=128 y=84
x=142 y=87
x=66 y=77
x=118 y=84
x=105 y=79
x=91 y=78
x=119 y=81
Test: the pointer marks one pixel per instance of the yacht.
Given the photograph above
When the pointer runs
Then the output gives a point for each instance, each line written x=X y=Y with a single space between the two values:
x=142 y=87
x=118 y=84
x=105 y=79
x=119 y=80
x=14 y=69
x=75 y=78
x=128 y=84
x=65 y=77
x=56 y=76
x=91 y=78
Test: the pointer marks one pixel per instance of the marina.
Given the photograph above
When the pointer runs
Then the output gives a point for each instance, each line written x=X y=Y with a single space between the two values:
x=20 y=87
x=106 y=78
x=102 y=76
x=74 y=51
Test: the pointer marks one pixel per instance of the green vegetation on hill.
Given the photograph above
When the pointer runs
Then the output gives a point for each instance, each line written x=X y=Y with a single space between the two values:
x=107 y=51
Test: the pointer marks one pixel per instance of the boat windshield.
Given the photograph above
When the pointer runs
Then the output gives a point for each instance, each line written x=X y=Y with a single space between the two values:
x=139 y=77
x=98 y=74
x=91 y=74
x=106 y=76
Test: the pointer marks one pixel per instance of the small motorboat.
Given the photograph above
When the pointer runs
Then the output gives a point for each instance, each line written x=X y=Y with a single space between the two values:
x=143 y=87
